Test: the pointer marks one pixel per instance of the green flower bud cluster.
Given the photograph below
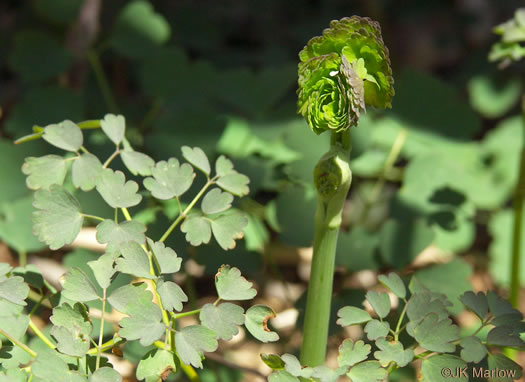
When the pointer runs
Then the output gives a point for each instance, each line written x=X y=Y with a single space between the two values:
x=511 y=47
x=341 y=72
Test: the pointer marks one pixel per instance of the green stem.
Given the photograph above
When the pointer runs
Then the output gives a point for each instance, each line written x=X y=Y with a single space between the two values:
x=22 y=346
x=22 y=258
x=332 y=179
x=101 y=332
x=110 y=159
x=93 y=217
x=41 y=335
x=94 y=61
x=519 y=199
x=185 y=314
x=400 y=321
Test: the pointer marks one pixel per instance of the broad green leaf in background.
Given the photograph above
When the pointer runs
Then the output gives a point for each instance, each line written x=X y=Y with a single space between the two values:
x=192 y=341
x=231 y=285
x=197 y=158
x=216 y=201
x=351 y=352
x=171 y=294
x=356 y=250
x=134 y=260
x=197 y=229
x=436 y=335
x=380 y=302
x=114 y=234
x=65 y=135
x=393 y=282
x=114 y=126
x=44 y=171
x=368 y=371
x=57 y=219
x=85 y=171
x=157 y=364
x=138 y=29
x=16 y=228
x=393 y=351
x=170 y=179
x=227 y=228
x=350 y=315
x=433 y=368
x=118 y=193
x=375 y=329
x=137 y=163
x=166 y=257
x=78 y=287
x=105 y=374
x=31 y=45
x=222 y=319
x=295 y=204
x=256 y=321
x=294 y=367
x=493 y=97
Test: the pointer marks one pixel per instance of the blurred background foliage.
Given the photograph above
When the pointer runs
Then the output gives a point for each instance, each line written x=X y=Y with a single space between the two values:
x=433 y=177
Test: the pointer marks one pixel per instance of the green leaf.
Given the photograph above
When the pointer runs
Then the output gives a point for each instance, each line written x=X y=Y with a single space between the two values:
x=256 y=321
x=375 y=329
x=14 y=324
x=273 y=361
x=166 y=257
x=192 y=341
x=351 y=353
x=293 y=366
x=171 y=294
x=223 y=166
x=476 y=302
x=156 y=365
x=86 y=170
x=436 y=335
x=325 y=374
x=227 y=228
x=169 y=179
x=57 y=220
x=139 y=29
x=144 y=323
x=380 y=302
x=49 y=366
x=231 y=285
x=393 y=351
x=118 y=193
x=134 y=260
x=282 y=376
x=31 y=45
x=123 y=298
x=235 y=183
x=222 y=319
x=493 y=98
x=78 y=287
x=103 y=268
x=216 y=201
x=443 y=368
x=14 y=289
x=393 y=282
x=13 y=375
x=505 y=335
x=105 y=374
x=350 y=315
x=137 y=163
x=502 y=310
x=114 y=126
x=74 y=318
x=31 y=274
x=44 y=171
x=423 y=303
x=69 y=342
x=368 y=371
x=115 y=234
x=64 y=135
x=197 y=157
x=197 y=229
x=472 y=349
x=500 y=362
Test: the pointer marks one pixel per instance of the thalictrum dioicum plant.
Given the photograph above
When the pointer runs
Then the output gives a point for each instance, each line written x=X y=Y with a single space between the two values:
x=135 y=274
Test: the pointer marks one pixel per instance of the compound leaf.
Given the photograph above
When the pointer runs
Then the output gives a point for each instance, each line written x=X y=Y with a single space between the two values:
x=114 y=126
x=216 y=201
x=85 y=171
x=114 y=234
x=118 y=193
x=57 y=220
x=44 y=171
x=222 y=319
x=256 y=321
x=192 y=341
x=350 y=315
x=64 y=135
x=171 y=294
x=351 y=353
x=227 y=228
x=170 y=179
x=231 y=285
x=197 y=157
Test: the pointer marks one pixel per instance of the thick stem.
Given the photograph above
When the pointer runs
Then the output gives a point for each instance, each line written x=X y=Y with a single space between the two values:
x=519 y=199
x=332 y=178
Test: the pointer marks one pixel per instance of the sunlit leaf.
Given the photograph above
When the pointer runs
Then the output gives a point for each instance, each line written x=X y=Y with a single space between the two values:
x=44 y=171
x=78 y=287
x=256 y=321
x=86 y=170
x=171 y=294
x=231 y=285
x=197 y=158
x=114 y=234
x=170 y=179
x=156 y=365
x=114 y=126
x=64 y=135
x=192 y=341
x=118 y=193
x=216 y=201
x=223 y=319
x=227 y=228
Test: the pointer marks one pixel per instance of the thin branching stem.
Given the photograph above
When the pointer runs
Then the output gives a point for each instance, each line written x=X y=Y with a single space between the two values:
x=21 y=345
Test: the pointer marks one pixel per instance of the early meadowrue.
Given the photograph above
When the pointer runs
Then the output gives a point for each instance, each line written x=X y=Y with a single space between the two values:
x=150 y=301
